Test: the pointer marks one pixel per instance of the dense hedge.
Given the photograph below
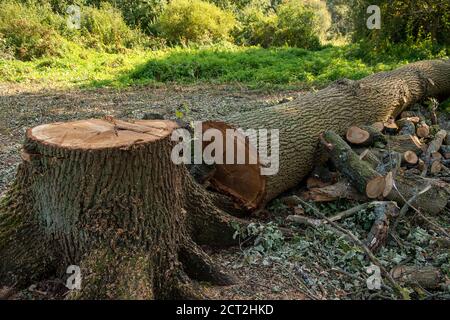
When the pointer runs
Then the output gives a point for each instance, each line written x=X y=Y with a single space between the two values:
x=34 y=28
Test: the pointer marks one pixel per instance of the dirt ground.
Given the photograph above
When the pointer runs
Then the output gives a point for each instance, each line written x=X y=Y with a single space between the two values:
x=22 y=107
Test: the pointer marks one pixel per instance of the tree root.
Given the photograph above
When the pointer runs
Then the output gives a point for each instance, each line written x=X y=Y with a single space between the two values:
x=198 y=265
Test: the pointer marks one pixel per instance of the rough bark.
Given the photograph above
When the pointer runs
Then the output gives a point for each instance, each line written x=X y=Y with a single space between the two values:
x=406 y=126
x=384 y=212
x=403 y=143
x=105 y=195
x=337 y=107
x=360 y=174
x=401 y=189
x=428 y=277
x=340 y=190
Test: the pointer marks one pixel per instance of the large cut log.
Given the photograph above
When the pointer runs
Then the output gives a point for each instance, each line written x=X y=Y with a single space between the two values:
x=343 y=104
x=105 y=195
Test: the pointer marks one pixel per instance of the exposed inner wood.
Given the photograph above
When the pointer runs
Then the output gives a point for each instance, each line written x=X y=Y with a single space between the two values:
x=375 y=187
x=242 y=181
x=410 y=157
x=100 y=133
x=357 y=135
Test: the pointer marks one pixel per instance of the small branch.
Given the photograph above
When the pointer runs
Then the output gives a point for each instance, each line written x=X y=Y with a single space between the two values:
x=333 y=226
x=408 y=204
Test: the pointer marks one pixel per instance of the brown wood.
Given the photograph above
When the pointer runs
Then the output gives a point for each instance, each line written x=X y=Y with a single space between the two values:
x=301 y=121
x=375 y=187
x=360 y=173
x=423 y=130
x=340 y=190
x=436 y=167
x=358 y=136
x=114 y=204
x=436 y=143
x=427 y=277
x=389 y=184
x=390 y=127
x=370 y=157
x=405 y=143
x=410 y=158
x=384 y=212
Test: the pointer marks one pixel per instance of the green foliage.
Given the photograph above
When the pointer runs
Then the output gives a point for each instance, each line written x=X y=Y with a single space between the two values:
x=266 y=237
x=256 y=66
x=28 y=32
x=188 y=21
x=302 y=23
x=142 y=14
x=104 y=28
x=409 y=21
x=225 y=63
x=297 y=23
x=255 y=27
x=342 y=24
x=30 y=29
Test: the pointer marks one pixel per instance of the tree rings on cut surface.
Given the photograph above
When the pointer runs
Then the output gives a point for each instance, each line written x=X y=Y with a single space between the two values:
x=100 y=133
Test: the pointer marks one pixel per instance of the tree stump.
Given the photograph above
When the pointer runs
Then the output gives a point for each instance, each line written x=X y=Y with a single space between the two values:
x=105 y=195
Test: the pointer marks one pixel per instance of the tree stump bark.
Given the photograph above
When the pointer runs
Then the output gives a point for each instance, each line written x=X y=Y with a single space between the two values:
x=105 y=195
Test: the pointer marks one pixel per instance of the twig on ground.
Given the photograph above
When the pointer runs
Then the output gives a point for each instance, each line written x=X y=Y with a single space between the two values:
x=408 y=204
x=333 y=226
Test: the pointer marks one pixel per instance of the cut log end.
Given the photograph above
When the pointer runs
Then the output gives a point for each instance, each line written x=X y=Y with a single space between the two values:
x=243 y=182
x=423 y=131
x=97 y=134
x=375 y=187
x=356 y=135
x=410 y=157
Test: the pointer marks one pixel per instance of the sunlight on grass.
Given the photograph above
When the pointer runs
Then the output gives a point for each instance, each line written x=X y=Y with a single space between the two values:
x=252 y=66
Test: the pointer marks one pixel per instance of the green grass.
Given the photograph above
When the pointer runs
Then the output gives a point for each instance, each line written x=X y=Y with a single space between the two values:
x=220 y=64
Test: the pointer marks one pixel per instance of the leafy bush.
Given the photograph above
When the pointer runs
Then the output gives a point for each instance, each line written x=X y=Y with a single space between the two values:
x=403 y=21
x=342 y=24
x=142 y=14
x=256 y=27
x=104 y=28
x=302 y=23
x=195 y=21
x=297 y=23
x=28 y=31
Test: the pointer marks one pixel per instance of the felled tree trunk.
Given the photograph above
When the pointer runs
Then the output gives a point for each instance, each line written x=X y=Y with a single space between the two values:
x=104 y=195
x=300 y=122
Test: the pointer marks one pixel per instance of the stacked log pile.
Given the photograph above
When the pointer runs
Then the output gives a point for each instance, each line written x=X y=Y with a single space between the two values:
x=404 y=161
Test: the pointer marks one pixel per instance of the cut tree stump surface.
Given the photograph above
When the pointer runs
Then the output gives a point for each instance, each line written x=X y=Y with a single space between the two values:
x=100 y=134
